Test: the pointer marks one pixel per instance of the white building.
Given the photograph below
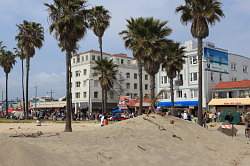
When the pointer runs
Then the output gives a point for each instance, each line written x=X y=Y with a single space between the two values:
x=84 y=83
x=218 y=65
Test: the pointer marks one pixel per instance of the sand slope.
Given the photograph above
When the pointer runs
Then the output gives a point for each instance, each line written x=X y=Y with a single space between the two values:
x=143 y=141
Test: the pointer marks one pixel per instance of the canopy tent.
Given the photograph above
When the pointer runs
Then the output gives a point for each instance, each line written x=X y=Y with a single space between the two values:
x=229 y=101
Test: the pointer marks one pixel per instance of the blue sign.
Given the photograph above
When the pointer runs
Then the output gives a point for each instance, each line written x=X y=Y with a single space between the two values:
x=216 y=60
x=178 y=104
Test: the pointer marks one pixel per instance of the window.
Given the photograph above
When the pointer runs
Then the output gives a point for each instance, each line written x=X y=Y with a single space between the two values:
x=84 y=94
x=78 y=73
x=164 y=80
x=146 y=77
x=78 y=84
x=146 y=86
x=95 y=94
x=78 y=59
x=135 y=75
x=193 y=60
x=194 y=76
x=84 y=83
x=99 y=58
x=234 y=79
x=220 y=76
x=128 y=85
x=77 y=95
x=244 y=69
x=74 y=60
x=96 y=82
x=122 y=61
x=212 y=76
x=194 y=93
x=135 y=86
x=127 y=94
x=127 y=75
x=233 y=66
x=85 y=72
x=179 y=93
x=135 y=95
x=87 y=57
x=82 y=58
x=93 y=58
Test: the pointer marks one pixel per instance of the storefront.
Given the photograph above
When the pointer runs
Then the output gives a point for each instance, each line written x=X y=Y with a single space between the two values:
x=230 y=104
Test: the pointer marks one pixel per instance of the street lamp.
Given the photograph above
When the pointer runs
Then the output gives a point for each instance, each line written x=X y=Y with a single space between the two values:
x=90 y=102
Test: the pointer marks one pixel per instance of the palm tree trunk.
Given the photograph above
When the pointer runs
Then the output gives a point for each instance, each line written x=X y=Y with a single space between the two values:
x=200 y=112
x=152 y=87
x=105 y=101
x=172 y=91
x=140 y=87
x=68 y=127
x=100 y=46
x=6 y=91
x=27 y=87
x=23 y=88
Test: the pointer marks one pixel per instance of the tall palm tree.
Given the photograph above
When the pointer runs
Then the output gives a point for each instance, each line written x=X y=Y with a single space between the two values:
x=201 y=14
x=69 y=25
x=30 y=37
x=135 y=39
x=20 y=54
x=106 y=70
x=173 y=64
x=156 y=38
x=7 y=61
x=99 y=20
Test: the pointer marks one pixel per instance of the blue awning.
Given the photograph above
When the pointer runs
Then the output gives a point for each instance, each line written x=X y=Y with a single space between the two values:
x=178 y=104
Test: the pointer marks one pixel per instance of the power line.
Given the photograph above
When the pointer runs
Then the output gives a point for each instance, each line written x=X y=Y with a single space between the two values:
x=51 y=92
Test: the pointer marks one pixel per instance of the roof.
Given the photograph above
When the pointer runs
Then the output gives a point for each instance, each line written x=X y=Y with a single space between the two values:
x=120 y=55
x=95 y=52
x=233 y=85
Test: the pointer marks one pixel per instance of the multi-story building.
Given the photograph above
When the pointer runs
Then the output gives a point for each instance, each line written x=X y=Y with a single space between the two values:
x=218 y=65
x=86 y=89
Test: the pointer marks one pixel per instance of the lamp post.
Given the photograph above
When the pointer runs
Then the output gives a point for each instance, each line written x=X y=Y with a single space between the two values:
x=90 y=102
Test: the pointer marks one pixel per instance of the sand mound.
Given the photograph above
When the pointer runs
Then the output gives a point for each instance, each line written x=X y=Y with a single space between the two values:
x=142 y=141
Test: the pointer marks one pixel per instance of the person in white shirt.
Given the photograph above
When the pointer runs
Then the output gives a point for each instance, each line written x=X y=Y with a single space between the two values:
x=185 y=115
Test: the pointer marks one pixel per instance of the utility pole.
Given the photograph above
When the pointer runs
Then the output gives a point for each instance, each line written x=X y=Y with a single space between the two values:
x=51 y=92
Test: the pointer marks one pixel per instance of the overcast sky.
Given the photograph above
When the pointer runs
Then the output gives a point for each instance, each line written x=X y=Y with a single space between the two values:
x=48 y=65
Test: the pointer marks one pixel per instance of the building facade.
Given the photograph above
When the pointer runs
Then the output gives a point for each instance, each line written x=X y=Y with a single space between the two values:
x=86 y=89
x=231 y=96
x=218 y=65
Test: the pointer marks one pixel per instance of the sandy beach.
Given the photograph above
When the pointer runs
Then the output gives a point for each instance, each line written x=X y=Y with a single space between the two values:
x=142 y=141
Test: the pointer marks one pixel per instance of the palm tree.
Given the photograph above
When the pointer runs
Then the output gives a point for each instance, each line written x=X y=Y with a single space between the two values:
x=69 y=25
x=157 y=31
x=7 y=61
x=173 y=64
x=135 y=39
x=99 y=20
x=30 y=37
x=20 y=54
x=201 y=14
x=106 y=70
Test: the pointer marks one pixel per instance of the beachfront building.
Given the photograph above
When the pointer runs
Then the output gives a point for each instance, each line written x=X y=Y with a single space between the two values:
x=231 y=96
x=86 y=89
x=219 y=65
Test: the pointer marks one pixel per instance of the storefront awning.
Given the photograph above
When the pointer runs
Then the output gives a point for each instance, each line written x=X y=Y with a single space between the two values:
x=229 y=101
x=178 y=104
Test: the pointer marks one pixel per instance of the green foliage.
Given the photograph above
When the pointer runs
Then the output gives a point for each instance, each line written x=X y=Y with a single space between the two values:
x=173 y=62
x=99 y=20
x=68 y=22
x=30 y=37
x=7 y=60
x=106 y=71
x=200 y=13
